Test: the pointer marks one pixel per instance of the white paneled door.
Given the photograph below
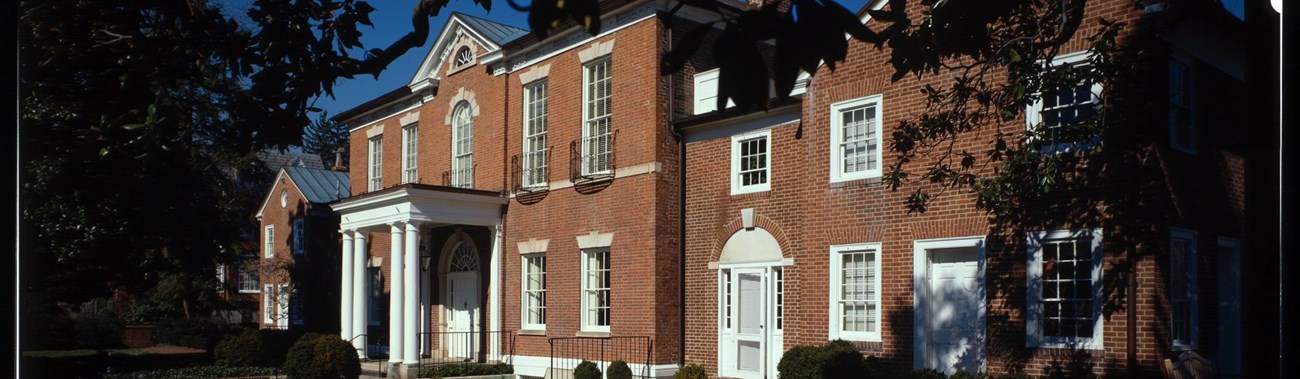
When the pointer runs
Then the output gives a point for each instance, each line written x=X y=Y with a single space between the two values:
x=749 y=335
x=462 y=307
x=954 y=311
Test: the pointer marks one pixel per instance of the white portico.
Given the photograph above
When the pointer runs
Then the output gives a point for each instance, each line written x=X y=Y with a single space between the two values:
x=405 y=212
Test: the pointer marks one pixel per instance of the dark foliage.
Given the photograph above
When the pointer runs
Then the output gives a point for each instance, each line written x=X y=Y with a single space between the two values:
x=691 y=371
x=198 y=333
x=618 y=370
x=836 y=359
x=321 y=356
x=465 y=369
x=244 y=348
x=201 y=372
x=586 y=370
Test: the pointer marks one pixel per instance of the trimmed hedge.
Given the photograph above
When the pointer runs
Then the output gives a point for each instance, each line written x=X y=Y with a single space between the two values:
x=242 y=349
x=837 y=359
x=321 y=356
x=197 y=333
x=465 y=369
x=618 y=370
x=201 y=372
x=691 y=371
x=586 y=370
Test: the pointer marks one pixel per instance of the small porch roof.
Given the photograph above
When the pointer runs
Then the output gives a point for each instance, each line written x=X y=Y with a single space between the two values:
x=435 y=205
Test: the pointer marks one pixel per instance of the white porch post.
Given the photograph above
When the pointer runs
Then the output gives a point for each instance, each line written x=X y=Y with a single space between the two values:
x=345 y=288
x=395 y=294
x=410 y=301
x=494 y=288
x=360 y=317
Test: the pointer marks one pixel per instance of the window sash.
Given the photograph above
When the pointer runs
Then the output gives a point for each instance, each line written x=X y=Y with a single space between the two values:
x=462 y=147
x=753 y=165
x=778 y=274
x=1181 y=129
x=534 y=291
x=595 y=287
x=858 y=142
x=596 y=133
x=268 y=245
x=1182 y=289
x=1067 y=297
x=410 y=160
x=858 y=295
x=248 y=281
x=299 y=236
x=268 y=307
x=535 y=150
x=376 y=163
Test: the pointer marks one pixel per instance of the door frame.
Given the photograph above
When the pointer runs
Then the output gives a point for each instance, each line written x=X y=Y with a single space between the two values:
x=920 y=289
x=772 y=339
x=449 y=308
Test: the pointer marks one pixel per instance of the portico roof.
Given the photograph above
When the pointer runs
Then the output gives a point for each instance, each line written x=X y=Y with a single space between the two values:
x=420 y=203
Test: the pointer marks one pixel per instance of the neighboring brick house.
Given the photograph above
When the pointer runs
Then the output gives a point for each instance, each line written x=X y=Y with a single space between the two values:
x=792 y=239
x=297 y=267
x=473 y=232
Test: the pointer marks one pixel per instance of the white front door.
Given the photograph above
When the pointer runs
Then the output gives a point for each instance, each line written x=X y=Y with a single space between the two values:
x=750 y=329
x=955 y=311
x=462 y=309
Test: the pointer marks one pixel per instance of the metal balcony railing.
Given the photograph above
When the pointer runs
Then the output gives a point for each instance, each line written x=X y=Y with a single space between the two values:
x=593 y=157
x=461 y=178
x=530 y=171
x=568 y=352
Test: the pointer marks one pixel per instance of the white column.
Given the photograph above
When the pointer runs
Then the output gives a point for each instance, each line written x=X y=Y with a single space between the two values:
x=345 y=288
x=360 y=315
x=396 y=293
x=494 y=288
x=410 y=303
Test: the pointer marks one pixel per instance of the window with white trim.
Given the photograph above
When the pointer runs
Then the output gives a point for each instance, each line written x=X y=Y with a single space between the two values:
x=535 y=151
x=534 y=289
x=299 y=235
x=248 y=280
x=595 y=290
x=1057 y=118
x=268 y=305
x=376 y=163
x=410 y=153
x=282 y=306
x=597 y=136
x=751 y=162
x=726 y=298
x=268 y=244
x=462 y=146
x=1064 y=289
x=855 y=292
x=778 y=276
x=1182 y=289
x=463 y=57
x=856 y=139
x=1182 y=129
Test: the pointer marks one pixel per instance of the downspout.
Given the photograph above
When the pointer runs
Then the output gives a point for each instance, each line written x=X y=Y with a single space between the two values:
x=681 y=214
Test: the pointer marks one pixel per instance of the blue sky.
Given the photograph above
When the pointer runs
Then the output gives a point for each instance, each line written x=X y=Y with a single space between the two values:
x=392 y=20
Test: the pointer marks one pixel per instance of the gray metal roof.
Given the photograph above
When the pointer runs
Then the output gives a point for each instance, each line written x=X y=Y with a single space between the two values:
x=274 y=159
x=320 y=186
x=497 y=32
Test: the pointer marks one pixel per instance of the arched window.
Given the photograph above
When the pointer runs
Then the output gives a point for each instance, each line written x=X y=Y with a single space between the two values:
x=463 y=259
x=464 y=56
x=462 y=146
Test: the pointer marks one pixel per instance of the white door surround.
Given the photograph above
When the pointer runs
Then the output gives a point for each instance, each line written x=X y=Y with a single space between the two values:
x=749 y=336
x=461 y=296
x=949 y=304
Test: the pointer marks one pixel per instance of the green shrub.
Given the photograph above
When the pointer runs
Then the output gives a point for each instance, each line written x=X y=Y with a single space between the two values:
x=618 y=370
x=836 y=359
x=320 y=356
x=962 y=374
x=200 y=372
x=586 y=370
x=926 y=373
x=97 y=324
x=465 y=369
x=276 y=344
x=691 y=371
x=241 y=349
x=198 y=333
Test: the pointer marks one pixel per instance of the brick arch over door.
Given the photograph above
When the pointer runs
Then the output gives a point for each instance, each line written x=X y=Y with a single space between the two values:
x=737 y=224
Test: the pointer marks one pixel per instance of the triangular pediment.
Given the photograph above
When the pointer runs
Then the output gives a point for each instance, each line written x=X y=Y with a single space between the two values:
x=479 y=36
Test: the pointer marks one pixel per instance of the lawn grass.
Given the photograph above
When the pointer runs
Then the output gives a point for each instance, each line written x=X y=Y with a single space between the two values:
x=81 y=352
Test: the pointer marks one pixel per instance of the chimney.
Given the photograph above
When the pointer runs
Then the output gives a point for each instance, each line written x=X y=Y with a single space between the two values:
x=338 y=160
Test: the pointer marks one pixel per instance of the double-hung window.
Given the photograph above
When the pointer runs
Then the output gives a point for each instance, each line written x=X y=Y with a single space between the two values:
x=534 y=164
x=1059 y=119
x=534 y=303
x=282 y=306
x=855 y=292
x=376 y=163
x=856 y=139
x=751 y=162
x=268 y=244
x=1064 y=289
x=1182 y=289
x=299 y=235
x=462 y=146
x=597 y=137
x=268 y=305
x=410 y=139
x=1182 y=130
x=247 y=279
x=595 y=290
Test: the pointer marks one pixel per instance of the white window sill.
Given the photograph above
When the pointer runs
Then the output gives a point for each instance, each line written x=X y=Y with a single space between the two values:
x=849 y=178
x=755 y=189
x=247 y=291
x=592 y=334
x=531 y=331
x=856 y=337
x=1065 y=344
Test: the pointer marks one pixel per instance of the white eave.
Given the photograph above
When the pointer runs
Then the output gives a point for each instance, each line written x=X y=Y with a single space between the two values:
x=420 y=203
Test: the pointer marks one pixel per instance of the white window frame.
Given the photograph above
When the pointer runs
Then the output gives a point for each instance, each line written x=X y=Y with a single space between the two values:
x=590 y=143
x=589 y=325
x=282 y=304
x=535 y=128
x=462 y=158
x=1189 y=104
x=706 y=92
x=525 y=302
x=410 y=153
x=376 y=163
x=1034 y=294
x=836 y=275
x=737 y=184
x=268 y=242
x=837 y=138
x=268 y=308
x=1033 y=112
x=1192 y=297
x=254 y=280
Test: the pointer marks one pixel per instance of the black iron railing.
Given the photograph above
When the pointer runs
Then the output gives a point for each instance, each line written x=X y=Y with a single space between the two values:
x=466 y=347
x=459 y=178
x=593 y=158
x=529 y=171
x=568 y=352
